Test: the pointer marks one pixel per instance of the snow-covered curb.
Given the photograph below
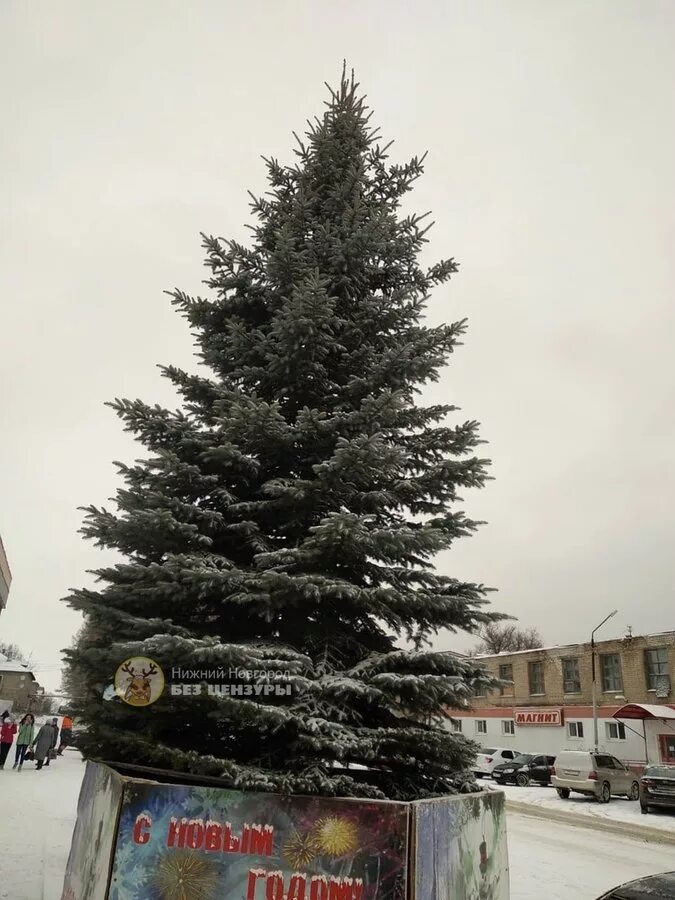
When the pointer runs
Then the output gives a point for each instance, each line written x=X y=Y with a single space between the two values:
x=540 y=805
x=609 y=826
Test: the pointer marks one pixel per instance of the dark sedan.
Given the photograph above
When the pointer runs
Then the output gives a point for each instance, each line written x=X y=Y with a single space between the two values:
x=657 y=787
x=655 y=887
x=525 y=769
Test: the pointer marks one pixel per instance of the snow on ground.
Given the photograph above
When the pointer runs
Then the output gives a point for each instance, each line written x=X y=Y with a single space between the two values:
x=547 y=859
x=566 y=862
x=36 y=825
x=618 y=809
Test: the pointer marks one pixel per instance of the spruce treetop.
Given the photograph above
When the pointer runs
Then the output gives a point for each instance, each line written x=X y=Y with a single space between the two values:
x=287 y=515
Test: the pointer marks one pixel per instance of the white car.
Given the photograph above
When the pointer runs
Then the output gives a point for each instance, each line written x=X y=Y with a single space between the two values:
x=489 y=757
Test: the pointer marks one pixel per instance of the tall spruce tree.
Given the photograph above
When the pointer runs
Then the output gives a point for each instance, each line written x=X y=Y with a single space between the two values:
x=288 y=514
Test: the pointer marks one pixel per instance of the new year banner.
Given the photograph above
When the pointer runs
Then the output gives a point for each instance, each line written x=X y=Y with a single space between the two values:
x=195 y=843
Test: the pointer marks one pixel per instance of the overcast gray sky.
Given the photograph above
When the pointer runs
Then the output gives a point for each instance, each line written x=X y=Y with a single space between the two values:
x=130 y=127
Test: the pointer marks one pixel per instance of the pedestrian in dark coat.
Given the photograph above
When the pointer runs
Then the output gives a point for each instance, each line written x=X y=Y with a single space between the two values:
x=55 y=726
x=43 y=743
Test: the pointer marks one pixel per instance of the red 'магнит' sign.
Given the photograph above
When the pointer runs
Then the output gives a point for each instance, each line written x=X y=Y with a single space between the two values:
x=537 y=716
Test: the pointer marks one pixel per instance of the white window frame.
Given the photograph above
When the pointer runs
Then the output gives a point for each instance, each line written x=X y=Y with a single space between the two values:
x=611 y=674
x=480 y=722
x=507 y=689
x=456 y=726
x=508 y=727
x=574 y=662
x=656 y=668
x=530 y=681
x=577 y=726
x=620 y=731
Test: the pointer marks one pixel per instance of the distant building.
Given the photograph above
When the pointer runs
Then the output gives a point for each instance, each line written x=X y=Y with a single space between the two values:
x=18 y=686
x=545 y=704
x=5 y=578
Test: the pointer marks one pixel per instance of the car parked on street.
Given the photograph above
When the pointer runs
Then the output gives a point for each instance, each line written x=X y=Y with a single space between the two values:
x=525 y=769
x=657 y=787
x=489 y=757
x=594 y=774
x=653 y=887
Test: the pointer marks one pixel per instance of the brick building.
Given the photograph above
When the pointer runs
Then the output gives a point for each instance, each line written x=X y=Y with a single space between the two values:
x=18 y=686
x=545 y=704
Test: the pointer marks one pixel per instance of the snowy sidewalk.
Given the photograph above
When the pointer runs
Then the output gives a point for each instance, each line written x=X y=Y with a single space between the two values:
x=38 y=817
x=620 y=816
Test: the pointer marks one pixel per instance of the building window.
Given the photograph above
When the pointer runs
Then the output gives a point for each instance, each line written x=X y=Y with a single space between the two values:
x=506 y=674
x=575 y=729
x=610 y=665
x=571 y=677
x=667 y=742
x=508 y=726
x=536 y=674
x=481 y=726
x=456 y=725
x=656 y=663
x=615 y=731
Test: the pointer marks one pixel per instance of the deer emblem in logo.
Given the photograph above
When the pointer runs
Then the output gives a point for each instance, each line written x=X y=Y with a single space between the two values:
x=139 y=681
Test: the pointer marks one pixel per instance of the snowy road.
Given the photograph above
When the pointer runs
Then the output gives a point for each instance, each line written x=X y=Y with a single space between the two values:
x=566 y=862
x=548 y=860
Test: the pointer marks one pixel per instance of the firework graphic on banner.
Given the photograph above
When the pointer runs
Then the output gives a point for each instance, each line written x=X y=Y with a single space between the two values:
x=336 y=836
x=186 y=876
x=301 y=849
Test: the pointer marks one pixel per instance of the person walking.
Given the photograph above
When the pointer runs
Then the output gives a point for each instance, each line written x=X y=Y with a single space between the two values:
x=51 y=753
x=24 y=739
x=66 y=734
x=7 y=733
x=43 y=743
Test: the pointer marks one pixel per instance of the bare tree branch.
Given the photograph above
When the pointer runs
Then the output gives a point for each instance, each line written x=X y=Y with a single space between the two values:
x=498 y=637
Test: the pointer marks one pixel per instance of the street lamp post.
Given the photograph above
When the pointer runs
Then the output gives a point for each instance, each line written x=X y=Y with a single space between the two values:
x=595 y=700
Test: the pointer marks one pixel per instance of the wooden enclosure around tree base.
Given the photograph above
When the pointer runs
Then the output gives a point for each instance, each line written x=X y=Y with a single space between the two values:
x=146 y=834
